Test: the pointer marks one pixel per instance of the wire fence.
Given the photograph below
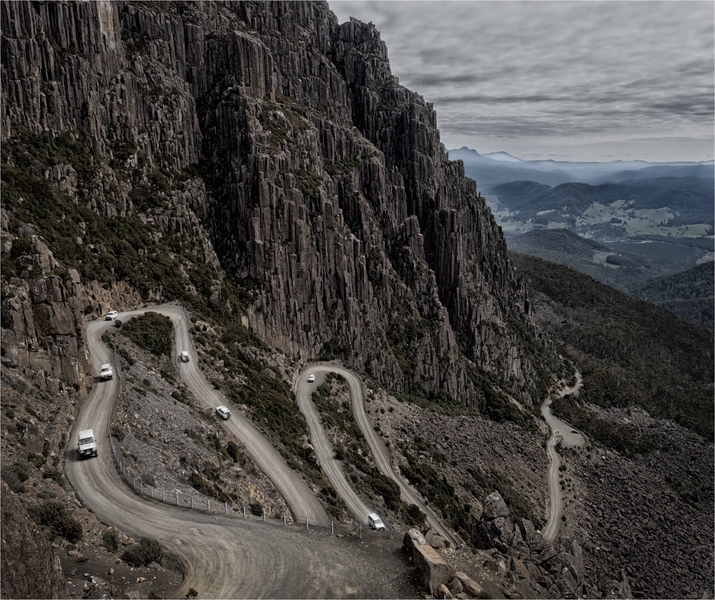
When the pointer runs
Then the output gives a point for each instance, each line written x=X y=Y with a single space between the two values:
x=200 y=502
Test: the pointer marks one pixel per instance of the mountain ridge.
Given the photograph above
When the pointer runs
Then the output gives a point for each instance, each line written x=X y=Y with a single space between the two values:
x=490 y=172
x=258 y=163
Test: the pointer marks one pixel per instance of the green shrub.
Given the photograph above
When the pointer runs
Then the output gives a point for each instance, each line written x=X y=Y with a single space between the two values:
x=414 y=516
x=152 y=332
x=15 y=476
x=54 y=515
x=111 y=539
x=144 y=553
x=54 y=474
x=200 y=484
x=233 y=451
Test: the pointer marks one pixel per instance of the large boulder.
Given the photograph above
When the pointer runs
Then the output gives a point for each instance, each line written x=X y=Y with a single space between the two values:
x=494 y=506
x=501 y=528
x=432 y=570
x=412 y=539
x=469 y=586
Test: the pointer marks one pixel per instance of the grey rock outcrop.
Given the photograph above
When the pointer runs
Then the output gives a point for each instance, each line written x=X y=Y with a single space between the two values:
x=324 y=189
x=30 y=567
x=536 y=568
x=494 y=506
x=432 y=570
x=44 y=333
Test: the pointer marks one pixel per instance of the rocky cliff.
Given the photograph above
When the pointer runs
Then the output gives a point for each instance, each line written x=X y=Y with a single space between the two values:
x=267 y=142
x=30 y=567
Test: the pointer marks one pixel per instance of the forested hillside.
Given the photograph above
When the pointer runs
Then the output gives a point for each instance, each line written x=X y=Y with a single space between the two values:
x=631 y=352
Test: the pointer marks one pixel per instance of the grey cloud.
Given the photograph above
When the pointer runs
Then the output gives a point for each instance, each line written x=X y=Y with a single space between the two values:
x=530 y=69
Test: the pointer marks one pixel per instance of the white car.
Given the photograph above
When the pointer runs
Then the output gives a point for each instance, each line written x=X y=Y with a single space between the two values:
x=184 y=356
x=223 y=412
x=311 y=378
x=87 y=445
x=111 y=315
x=374 y=520
x=106 y=372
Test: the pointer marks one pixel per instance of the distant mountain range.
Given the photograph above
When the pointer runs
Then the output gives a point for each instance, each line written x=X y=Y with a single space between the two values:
x=666 y=206
x=623 y=223
x=493 y=169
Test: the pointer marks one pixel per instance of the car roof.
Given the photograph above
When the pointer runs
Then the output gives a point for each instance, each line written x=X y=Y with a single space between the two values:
x=373 y=516
x=86 y=433
x=106 y=365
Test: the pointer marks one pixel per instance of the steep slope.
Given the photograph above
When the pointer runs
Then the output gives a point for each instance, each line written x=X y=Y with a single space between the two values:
x=640 y=496
x=688 y=294
x=258 y=163
x=270 y=133
x=629 y=351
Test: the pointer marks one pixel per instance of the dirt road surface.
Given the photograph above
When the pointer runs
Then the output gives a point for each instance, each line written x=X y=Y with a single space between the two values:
x=379 y=451
x=226 y=557
x=560 y=430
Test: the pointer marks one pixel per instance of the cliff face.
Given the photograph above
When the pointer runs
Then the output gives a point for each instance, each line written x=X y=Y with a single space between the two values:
x=270 y=143
x=30 y=567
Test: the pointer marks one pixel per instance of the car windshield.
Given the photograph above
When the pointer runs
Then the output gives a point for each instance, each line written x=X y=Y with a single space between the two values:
x=86 y=440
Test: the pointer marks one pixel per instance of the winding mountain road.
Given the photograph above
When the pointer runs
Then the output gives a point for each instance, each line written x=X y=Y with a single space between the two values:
x=560 y=430
x=333 y=468
x=224 y=557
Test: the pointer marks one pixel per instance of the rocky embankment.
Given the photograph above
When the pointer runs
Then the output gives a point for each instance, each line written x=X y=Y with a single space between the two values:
x=171 y=443
x=647 y=514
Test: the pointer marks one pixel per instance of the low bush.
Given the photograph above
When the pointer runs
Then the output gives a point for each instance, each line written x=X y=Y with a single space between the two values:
x=111 y=539
x=15 y=476
x=144 y=553
x=414 y=516
x=233 y=451
x=152 y=332
x=54 y=515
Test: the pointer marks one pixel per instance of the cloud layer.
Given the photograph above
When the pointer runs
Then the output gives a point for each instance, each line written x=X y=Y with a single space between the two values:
x=586 y=80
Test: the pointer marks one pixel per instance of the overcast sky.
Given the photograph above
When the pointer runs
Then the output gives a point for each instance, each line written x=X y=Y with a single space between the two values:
x=568 y=80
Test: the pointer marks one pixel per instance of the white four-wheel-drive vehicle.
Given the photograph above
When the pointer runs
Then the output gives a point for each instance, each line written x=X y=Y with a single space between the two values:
x=223 y=412
x=106 y=372
x=86 y=444
x=184 y=356
x=311 y=378
x=111 y=315
x=374 y=520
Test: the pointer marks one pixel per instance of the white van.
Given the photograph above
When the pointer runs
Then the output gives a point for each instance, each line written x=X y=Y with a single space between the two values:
x=106 y=372
x=86 y=444
x=374 y=521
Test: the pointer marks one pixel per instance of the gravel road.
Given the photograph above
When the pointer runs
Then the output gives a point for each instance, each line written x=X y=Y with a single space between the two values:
x=560 y=430
x=379 y=451
x=226 y=557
